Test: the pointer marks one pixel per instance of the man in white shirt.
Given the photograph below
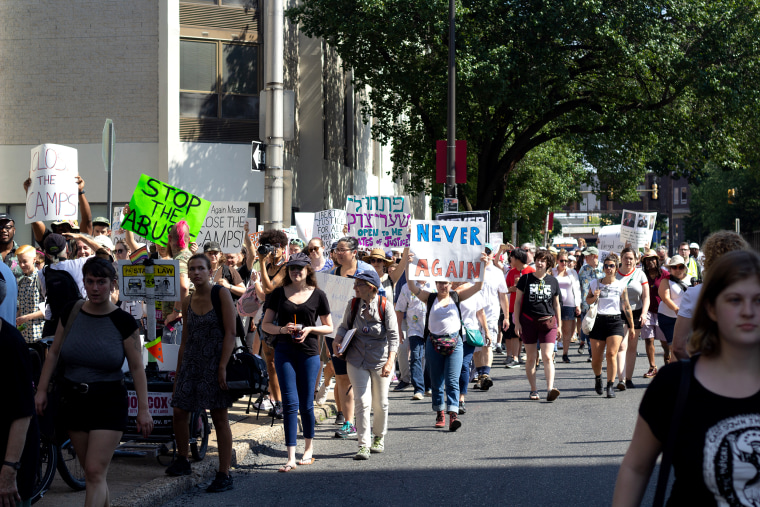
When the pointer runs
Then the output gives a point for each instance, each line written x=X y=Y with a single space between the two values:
x=411 y=310
x=494 y=293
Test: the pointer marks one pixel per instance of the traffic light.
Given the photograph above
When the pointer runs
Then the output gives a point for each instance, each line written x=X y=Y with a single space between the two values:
x=731 y=195
x=654 y=191
x=612 y=194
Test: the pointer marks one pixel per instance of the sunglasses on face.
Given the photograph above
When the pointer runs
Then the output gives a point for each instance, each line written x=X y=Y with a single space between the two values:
x=120 y=250
x=563 y=261
x=376 y=261
x=314 y=248
x=680 y=266
x=609 y=266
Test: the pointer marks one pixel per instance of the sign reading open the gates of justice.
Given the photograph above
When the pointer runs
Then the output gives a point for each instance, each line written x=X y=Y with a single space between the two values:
x=156 y=206
x=339 y=292
x=224 y=224
x=378 y=221
x=446 y=250
x=53 y=193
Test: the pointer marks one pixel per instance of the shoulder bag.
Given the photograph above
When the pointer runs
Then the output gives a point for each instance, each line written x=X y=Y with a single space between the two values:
x=443 y=344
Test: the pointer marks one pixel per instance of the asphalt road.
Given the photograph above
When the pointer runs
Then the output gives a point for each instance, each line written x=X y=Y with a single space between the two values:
x=509 y=451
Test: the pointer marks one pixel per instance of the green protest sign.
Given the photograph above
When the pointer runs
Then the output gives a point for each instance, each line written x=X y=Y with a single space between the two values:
x=156 y=206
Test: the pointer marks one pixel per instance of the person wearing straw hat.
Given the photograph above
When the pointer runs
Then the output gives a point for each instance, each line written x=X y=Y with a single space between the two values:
x=378 y=260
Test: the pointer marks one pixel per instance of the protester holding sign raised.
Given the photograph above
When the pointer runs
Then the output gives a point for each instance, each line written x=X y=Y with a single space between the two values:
x=444 y=349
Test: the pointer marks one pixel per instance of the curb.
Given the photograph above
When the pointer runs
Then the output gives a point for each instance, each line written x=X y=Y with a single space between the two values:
x=163 y=489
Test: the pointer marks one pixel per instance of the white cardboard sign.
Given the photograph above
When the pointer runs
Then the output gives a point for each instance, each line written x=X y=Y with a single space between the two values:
x=637 y=228
x=378 y=221
x=340 y=291
x=224 y=224
x=328 y=225
x=53 y=193
x=447 y=250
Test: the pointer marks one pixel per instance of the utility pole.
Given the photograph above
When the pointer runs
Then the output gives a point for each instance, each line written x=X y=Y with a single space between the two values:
x=272 y=213
x=451 y=171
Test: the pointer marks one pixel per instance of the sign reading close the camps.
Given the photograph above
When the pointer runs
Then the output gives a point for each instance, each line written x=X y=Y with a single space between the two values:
x=328 y=225
x=446 y=250
x=224 y=224
x=378 y=221
x=637 y=228
x=482 y=217
x=53 y=193
x=156 y=206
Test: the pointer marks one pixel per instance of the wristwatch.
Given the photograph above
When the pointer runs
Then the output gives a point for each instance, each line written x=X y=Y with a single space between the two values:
x=16 y=465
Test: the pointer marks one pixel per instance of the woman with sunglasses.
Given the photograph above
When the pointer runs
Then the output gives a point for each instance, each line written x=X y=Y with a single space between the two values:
x=570 y=288
x=638 y=296
x=295 y=306
x=612 y=302
x=319 y=262
x=670 y=295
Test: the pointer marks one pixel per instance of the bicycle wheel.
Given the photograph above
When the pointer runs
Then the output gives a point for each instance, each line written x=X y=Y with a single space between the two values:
x=199 y=430
x=45 y=469
x=69 y=466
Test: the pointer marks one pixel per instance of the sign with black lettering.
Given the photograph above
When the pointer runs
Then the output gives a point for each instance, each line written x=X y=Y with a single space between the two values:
x=224 y=224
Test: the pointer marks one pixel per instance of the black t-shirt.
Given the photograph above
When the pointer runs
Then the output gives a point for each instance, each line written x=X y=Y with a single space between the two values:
x=538 y=294
x=716 y=458
x=17 y=400
x=244 y=273
x=305 y=313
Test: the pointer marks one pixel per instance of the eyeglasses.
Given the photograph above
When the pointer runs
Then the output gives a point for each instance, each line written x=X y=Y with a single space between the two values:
x=680 y=266
x=609 y=266
x=376 y=261
x=314 y=248
x=563 y=261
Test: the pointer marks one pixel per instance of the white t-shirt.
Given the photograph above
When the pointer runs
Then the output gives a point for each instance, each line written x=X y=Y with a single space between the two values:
x=414 y=308
x=676 y=294
x=635 y=281
x=609 y=298
x=443 y=319
x=689 y=302
x=493 y=285
x=469 y=308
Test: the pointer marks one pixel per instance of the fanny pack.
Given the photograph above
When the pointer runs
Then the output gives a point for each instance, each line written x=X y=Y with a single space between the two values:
x=444 y=344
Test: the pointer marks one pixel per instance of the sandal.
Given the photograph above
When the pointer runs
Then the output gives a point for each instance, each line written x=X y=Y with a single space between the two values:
x=534 y=395
x=651 y=373
x=306 y=462
x=286 y=468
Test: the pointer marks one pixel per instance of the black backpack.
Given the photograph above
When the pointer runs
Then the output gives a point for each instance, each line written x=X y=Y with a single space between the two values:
x=60 y=291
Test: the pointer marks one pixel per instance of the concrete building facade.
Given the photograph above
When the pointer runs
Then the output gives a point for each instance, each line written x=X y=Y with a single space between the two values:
x=180 y=80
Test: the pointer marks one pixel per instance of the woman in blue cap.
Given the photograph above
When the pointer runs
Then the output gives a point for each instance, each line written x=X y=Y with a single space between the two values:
x=370 y=357
x=292 y=317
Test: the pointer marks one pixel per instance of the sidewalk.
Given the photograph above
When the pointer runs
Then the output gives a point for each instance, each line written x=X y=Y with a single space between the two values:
x=141 y=482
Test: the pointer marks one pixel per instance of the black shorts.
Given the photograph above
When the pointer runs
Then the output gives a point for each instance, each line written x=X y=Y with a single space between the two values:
x=104 y=406
x=339 y=365
x=511 y=331
x=636 y=319
x=606 y=326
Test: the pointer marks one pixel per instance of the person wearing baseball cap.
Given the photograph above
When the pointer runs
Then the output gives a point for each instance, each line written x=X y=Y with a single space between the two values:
x=8 y=245
x=370 y=358
x=302 y=314
x=101 y=226
x=591 y=270
x=222 y=274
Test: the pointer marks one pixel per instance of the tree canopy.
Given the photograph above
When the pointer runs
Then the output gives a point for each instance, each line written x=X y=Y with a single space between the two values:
x=625 y=87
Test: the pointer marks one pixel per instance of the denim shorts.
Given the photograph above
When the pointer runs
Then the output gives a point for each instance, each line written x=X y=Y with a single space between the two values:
x=568 y=312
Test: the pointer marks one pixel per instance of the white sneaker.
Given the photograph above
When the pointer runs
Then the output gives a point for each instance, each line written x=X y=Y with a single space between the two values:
x=418 y=396
x=265 y=405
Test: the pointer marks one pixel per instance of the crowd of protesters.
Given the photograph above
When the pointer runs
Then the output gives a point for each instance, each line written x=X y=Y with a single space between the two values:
x=432 y=338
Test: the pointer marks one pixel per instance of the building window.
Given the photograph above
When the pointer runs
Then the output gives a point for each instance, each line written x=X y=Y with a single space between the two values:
x=683 y=195
x=676 y=195
x=218 y=80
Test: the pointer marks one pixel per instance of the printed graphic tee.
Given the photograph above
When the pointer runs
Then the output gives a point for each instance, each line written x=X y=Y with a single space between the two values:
x=538 y=295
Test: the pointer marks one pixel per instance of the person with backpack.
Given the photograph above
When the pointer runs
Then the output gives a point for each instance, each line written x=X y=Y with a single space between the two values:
x=370 y=357
x=295 y=306
x=61 y=281
x=443 y=344
x=208 y=339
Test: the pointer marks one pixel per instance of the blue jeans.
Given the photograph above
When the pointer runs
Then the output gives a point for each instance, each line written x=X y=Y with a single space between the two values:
x=297 y=374
x=416 y=358
x=464 y=377
x=444 y=375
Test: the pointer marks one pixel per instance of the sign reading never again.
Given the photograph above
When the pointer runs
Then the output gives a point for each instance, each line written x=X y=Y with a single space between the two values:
x=156 y=206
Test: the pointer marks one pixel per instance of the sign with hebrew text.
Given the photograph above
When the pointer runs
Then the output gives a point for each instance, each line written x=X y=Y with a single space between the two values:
x=378 y=221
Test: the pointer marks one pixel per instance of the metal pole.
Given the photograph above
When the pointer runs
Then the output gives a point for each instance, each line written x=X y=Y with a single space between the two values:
x=451 y=171
x=109 y=197
x=273 y=87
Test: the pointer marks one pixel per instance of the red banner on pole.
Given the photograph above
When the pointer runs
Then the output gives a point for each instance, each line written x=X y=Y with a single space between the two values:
x=460 y=162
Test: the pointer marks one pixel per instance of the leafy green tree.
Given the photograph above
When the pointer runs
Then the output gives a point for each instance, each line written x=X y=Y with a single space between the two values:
x=628 y=86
